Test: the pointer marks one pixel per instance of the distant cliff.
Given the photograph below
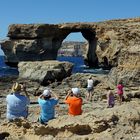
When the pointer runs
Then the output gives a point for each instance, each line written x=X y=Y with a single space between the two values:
x=72 y=48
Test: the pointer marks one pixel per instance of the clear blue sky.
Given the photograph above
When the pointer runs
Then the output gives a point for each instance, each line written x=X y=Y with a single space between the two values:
x=61 y=11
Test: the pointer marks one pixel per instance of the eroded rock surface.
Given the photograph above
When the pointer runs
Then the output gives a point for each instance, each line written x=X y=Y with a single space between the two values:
x=120 y=122
x=97 y=121
x=128 y=69
x=42 y=41
x=44 y=71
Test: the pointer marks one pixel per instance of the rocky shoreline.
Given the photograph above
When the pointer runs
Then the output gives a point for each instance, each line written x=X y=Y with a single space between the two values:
x=114 y=45
x=97 y=121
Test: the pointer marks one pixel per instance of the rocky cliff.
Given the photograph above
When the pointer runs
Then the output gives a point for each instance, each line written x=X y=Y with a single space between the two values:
x=31 y=42
x=128 y=69
x=108 y=43
x=72 y=48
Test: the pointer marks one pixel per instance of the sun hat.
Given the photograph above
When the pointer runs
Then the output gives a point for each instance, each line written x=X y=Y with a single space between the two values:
x=16 y=87
x=46 y=92
x=75 y=91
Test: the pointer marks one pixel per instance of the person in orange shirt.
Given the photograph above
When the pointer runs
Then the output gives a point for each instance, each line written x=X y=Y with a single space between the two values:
x=74 y=101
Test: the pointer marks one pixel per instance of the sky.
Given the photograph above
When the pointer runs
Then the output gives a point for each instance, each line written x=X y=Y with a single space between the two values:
x=63 y=11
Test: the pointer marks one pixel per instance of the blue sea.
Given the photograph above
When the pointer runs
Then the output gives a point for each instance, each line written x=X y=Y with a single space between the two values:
x=6 y=70
x=79 y=66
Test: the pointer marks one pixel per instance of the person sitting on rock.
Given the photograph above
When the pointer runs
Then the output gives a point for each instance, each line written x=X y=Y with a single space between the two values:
x=120 y=91
x=110 y=99
x=17 y=104
x=47 y=105
x=74 y=101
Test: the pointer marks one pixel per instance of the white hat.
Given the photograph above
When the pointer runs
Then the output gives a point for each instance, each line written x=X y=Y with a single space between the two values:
x=46 y=92
x=75 y=91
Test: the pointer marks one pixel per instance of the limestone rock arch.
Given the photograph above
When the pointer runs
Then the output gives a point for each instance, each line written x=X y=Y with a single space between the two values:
x=37 y=42
x=90 y=36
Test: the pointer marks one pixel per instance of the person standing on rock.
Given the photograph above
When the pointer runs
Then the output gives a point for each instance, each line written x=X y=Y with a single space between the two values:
x=47 y=105
x=89 y=89
x=120 y=91
x=110 y=99
x=74 y=100
x=17 y=104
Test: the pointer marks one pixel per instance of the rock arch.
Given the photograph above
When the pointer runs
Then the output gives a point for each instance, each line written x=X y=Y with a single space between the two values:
x=90 y=36
x=32 y=42
x=37 y=42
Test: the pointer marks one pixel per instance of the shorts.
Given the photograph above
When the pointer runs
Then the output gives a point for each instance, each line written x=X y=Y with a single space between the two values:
x=89 y=89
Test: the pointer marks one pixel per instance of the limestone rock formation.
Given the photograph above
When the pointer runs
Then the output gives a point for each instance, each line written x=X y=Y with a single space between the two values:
x=42 y=41
x=111 y=45
x=128 y=69
x=44 y=71
x=120 y=122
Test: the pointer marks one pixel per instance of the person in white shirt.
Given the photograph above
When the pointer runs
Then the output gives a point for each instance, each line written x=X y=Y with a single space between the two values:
x=17 y=104
x=89 y=88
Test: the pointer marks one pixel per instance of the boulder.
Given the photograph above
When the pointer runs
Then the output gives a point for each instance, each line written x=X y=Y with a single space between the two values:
x=44 y=71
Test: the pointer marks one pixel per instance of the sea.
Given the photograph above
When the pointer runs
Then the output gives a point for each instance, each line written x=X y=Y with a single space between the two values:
x=79 y=67
x=6 y=70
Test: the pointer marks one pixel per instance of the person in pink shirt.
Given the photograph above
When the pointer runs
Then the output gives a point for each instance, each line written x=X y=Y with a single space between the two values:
x=120 y=91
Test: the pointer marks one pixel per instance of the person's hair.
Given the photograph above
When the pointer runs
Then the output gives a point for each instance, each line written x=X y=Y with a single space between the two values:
x=120 y=82
x=47 y=97
x=90 y=77
x=78 y=95
x=110 y=92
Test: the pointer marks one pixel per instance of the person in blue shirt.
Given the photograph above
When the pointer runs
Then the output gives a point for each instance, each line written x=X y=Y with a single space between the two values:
x=47 y=105
x=17 y=104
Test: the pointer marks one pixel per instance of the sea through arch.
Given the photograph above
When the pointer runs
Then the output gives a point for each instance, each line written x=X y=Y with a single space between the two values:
x=73 y=50
x=79 y=47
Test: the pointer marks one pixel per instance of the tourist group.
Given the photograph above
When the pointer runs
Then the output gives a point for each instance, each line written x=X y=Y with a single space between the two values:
x=17 y=104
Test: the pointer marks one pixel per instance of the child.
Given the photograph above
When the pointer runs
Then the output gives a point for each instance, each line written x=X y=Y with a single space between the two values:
x=120 y=91
x=110 y=99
